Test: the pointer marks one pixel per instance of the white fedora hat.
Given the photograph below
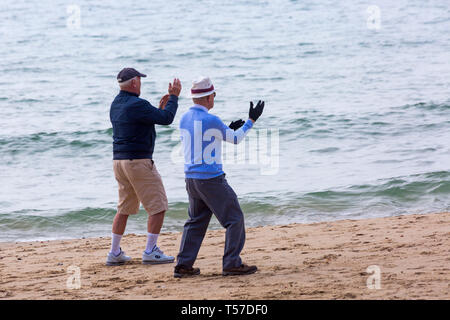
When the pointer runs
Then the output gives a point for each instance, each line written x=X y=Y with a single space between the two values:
x=202 y=87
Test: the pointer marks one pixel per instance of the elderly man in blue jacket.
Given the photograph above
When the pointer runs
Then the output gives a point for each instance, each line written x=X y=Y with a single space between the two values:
x=133 y=120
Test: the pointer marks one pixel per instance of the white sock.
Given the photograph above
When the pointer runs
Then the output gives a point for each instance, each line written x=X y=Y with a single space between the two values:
x=115 y=243
x=151 y=242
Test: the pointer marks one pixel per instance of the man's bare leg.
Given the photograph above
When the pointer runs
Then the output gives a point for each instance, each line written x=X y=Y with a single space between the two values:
x=119 y=224
x=155 y=222
x=154 y=225
x=118 y=228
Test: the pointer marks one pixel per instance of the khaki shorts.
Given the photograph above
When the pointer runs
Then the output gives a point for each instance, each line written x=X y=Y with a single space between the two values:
x=139 y=182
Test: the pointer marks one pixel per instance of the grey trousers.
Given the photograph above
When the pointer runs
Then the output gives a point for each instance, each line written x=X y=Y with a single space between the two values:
x=208 y=196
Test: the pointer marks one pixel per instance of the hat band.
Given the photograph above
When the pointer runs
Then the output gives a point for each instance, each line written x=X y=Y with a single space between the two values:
x=194 y=91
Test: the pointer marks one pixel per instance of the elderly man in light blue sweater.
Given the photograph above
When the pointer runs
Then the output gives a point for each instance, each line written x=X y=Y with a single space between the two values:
x=202 y=134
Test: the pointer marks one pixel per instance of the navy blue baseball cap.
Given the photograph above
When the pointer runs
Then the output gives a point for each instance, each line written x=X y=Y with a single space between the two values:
x=129 y=73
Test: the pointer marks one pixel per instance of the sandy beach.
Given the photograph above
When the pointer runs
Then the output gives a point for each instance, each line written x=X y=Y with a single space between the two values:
x=326 y=260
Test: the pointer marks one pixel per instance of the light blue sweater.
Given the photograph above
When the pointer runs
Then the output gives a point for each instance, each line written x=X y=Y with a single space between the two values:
x=202 y=134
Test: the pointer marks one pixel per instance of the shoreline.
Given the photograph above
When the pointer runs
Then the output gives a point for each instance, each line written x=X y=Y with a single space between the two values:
x=211 y=228
x=322 y=260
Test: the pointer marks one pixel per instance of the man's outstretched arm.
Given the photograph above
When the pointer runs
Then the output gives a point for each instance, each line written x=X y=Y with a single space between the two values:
x=150 y=115
x=236 y=136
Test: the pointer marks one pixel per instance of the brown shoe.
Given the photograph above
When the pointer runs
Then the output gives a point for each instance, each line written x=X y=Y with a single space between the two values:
x=182 y=271
x=239 y=271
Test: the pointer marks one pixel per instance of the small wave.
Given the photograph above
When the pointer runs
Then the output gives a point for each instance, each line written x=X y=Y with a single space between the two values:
x=29 y=100
x=45 y=141
x=417 y=43
x=437 y=21
x=325 y=150
x=427 y=106
x=395 y=121
x=256 y=58
x=311 y=52
x=142 y=60
x=38 y=220
x=24 y=70
x=380 y=123
x=409 y=187
x=397 y=195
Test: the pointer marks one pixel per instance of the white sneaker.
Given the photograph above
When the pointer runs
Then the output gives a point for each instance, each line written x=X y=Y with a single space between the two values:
x=156 y=257
x=113 y=260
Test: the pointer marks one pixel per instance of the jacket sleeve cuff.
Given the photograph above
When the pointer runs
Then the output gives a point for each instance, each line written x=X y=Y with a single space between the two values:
x=248 y=124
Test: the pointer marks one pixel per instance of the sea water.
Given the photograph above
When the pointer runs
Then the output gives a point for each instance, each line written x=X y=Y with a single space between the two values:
x=356 y=123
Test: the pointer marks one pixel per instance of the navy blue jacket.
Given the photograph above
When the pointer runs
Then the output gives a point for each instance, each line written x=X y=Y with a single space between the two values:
x=133 y=120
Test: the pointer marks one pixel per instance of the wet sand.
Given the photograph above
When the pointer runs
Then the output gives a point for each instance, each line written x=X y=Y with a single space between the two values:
x=326 y=260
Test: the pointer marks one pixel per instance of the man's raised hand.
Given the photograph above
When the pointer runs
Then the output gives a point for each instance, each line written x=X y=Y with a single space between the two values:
x=175 y=88
x=255 y=113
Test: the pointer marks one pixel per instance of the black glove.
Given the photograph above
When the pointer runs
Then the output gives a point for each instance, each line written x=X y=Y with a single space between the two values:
x=236 y=124
x=255 y=112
